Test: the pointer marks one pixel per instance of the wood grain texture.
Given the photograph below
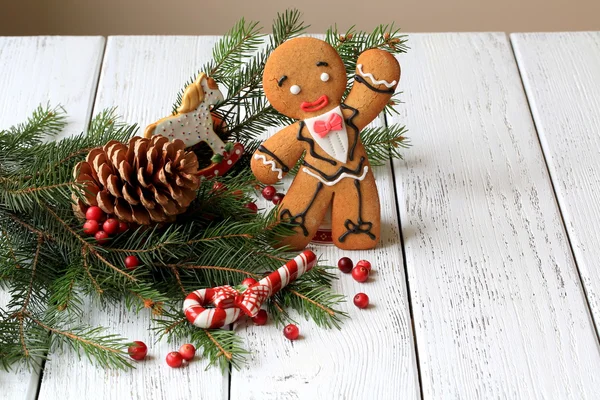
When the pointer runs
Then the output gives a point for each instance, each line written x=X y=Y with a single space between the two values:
x=498 y=306
x=371 y=357
x=55 y=70
x=561 y=74
x=141 y=75
x=33 y=71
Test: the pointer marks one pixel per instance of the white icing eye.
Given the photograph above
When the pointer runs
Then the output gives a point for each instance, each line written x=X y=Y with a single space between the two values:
x=324 y=76
x=295 y=89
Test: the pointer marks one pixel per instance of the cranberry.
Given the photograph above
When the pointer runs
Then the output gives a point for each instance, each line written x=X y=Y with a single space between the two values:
x=268 y=192
x=361 y=300
x=360 y=274
x=187 y=351
x=260 y=318
x=138 y=350
x=94 y=213
x=91 y=227
x=345 y=264
x=291 y=332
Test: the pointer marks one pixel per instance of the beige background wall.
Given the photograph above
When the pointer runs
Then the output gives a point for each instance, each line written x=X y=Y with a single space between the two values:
x=193 y=17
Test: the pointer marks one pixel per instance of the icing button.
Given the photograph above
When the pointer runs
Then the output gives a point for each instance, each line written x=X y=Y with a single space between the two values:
x=295 y=89
x=324 y=76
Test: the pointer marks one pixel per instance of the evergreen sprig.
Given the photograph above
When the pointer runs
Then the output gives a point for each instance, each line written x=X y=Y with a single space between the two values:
x=384 y=142
x=49 y=267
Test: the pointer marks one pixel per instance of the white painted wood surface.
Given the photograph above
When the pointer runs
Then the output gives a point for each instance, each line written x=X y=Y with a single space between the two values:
x=499 y=311
x=33 y=71
x=371 y=357
x=498 y=307
x=141 y=75
x=561 y=75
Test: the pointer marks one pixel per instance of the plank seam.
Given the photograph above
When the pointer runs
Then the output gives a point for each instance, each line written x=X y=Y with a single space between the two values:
x=88 y=118
x=38 y=389
x=405 y=266
x=556 y=199
x=97 y=84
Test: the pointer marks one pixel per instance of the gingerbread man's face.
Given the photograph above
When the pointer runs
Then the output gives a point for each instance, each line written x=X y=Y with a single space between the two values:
x=304 y=77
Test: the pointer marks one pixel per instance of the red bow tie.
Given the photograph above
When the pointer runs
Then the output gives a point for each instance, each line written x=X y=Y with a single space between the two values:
x=334 y=123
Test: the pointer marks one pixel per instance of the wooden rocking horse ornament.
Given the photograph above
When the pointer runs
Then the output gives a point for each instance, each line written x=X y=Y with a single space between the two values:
x=193 y=124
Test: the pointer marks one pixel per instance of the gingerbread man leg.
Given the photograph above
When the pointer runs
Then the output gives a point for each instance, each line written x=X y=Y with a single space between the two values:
x=355 y=218
x=304 y=205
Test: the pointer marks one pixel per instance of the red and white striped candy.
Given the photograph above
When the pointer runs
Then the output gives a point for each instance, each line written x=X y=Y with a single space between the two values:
x=208 y=318
x=256 y=294
x=229 y=304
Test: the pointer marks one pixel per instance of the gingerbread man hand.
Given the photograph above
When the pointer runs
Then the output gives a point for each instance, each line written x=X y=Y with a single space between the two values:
x=305 y=79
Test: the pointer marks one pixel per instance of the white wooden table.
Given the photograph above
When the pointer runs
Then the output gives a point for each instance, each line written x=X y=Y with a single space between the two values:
x=486 y=283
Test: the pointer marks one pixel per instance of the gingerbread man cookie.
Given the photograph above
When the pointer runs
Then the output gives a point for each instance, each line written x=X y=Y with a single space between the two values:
x=305 y=79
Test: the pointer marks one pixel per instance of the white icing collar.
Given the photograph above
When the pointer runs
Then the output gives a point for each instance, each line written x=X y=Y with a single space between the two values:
x=335 y=143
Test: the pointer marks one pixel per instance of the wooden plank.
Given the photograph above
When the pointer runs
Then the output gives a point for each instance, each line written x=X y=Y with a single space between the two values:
x=498 y=307
x=561 y=74
x=140 y=75
x=371 y=357
x=33 y=71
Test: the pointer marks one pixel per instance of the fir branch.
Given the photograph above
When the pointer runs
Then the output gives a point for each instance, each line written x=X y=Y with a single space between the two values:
x=219 y=346
x=229 y=53
x=86 y=267
x=383 y=142
x=89 y=247
x=215 y=268
x=34 y=264
x=106 y=350
x=44 y=122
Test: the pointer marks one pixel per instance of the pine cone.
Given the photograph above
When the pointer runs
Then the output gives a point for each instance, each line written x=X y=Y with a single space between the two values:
x=148 y=181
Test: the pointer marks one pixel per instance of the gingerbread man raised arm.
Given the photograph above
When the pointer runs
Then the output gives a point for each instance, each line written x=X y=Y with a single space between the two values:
x=305 y=79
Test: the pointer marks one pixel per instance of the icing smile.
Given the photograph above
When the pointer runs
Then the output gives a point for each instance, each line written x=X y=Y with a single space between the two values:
x=316 y=105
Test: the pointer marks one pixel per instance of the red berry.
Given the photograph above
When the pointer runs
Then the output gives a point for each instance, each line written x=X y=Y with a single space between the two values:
x=364 y=263
x=91 y=227
x=291 y=332
x=345 y=264
x=238 y=194
x=131 y=262
x=187 y=351
x=252 y=207
x=260 y=318
x=248 y=282
x=138 y=350
x=111 y=226
x=123 y=227
x=360 y=274
x=94 y=213
x=268 y=192
x=278 y=198
x=101 y=237
x=361 y=300
x=174 y=359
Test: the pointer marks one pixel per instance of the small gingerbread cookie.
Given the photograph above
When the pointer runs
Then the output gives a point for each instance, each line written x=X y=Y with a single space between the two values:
x=305 y=79
x=194 y=123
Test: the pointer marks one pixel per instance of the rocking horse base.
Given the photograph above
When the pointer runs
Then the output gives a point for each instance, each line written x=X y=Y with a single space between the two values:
x=220 y=168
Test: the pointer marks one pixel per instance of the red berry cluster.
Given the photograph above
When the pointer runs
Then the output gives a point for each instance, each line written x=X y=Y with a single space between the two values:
x=100 y=227
x=270 y=194
x=138 y=351
x=360 y=273
x=186 y=353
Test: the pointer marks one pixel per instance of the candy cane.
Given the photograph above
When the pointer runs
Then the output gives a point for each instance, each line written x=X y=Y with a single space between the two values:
x=230 y=304
x=208 y=317
x=256 y=294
